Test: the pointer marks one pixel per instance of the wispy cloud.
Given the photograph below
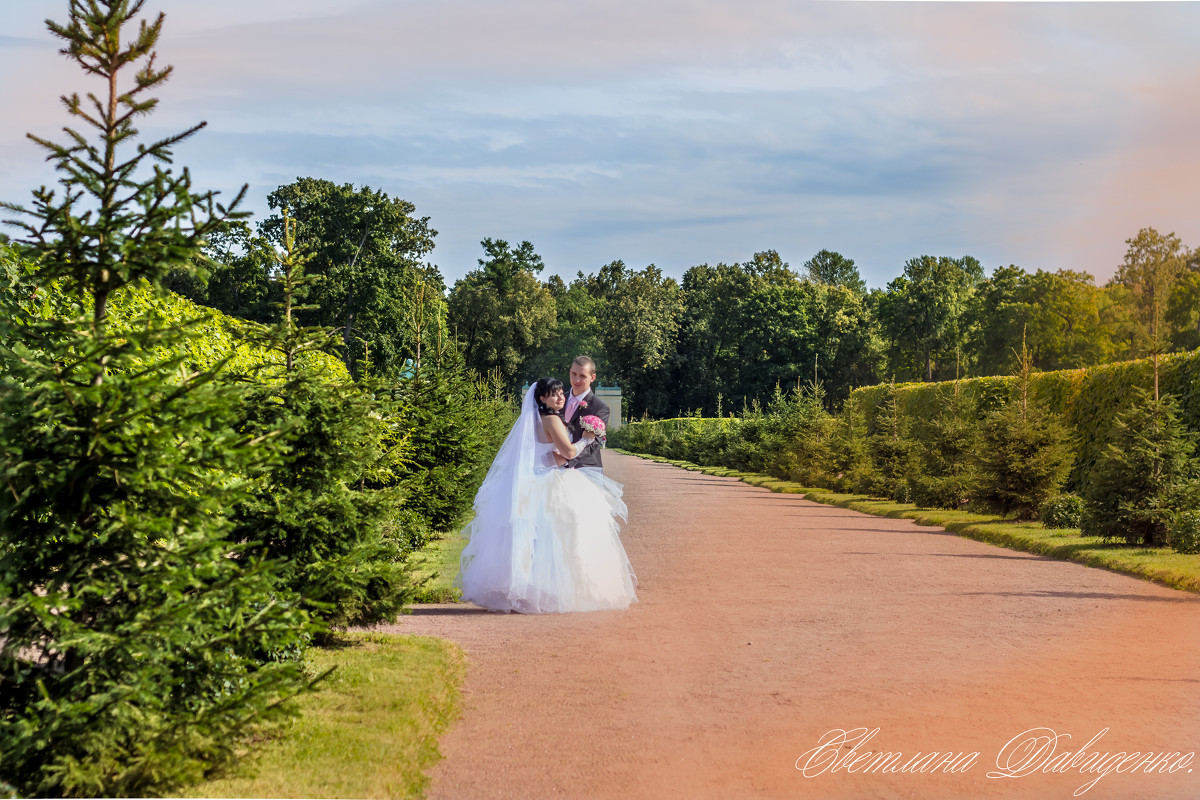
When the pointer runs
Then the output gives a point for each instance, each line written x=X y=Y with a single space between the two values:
x=684 y=131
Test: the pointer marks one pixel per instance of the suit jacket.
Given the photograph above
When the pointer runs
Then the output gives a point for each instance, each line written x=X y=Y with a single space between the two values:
x=589 y=456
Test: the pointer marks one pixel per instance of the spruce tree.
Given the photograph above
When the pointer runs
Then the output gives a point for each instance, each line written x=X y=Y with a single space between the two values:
x=800 y=443
x=1144 y=476
x=1025 y=454
x=453 y=422
x=852 y=458
x=138 y=646
x=331 y=510
x=947 y=476
x=890 y=451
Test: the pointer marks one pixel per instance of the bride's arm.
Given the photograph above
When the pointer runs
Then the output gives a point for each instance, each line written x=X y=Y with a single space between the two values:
x=557 y=431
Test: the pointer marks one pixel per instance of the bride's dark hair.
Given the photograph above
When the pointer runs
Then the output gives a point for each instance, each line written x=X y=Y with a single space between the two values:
x=542 y=388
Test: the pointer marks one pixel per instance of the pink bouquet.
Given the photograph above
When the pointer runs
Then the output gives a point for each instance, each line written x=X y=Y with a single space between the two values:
x=594 y=424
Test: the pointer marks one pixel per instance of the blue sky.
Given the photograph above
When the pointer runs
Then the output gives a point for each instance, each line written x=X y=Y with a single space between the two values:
x=685 y=132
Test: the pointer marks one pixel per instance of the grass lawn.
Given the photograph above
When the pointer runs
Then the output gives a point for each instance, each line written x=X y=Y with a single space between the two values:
x=1158 y=564
x=437 y=564
x=371 y=730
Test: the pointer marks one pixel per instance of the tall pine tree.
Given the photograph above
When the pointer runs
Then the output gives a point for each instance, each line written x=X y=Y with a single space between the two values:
x=137 y=644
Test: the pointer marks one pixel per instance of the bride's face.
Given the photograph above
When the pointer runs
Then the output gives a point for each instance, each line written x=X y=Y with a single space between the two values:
x=555 y=400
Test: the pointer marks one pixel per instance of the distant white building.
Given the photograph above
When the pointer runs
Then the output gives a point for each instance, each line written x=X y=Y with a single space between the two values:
x=611 y=395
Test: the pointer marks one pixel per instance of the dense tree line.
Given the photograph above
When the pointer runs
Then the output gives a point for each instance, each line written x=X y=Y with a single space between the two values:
x=364 y=251
x=719 y=339
x=725 y=335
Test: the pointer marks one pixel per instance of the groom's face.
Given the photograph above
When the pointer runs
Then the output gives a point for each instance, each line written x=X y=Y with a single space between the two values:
x=581 y=379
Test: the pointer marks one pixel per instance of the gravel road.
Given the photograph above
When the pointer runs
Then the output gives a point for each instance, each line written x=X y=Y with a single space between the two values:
x=767 y=623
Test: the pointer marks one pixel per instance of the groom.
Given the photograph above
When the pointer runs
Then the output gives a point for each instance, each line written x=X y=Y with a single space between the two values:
x=583 y=403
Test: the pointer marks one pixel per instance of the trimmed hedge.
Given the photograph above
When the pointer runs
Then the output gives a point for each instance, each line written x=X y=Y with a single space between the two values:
x=1088 y=399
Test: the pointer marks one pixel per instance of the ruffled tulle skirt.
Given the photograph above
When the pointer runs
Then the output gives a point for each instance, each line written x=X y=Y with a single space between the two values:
x=560 y=551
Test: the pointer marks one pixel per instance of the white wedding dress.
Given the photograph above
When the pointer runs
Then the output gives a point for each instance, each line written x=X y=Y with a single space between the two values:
x=545 y=539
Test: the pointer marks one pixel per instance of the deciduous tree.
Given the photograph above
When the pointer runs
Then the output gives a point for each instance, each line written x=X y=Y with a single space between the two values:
x=925 y=319
x=368 y=248
x=639 y=320
x=501 y=313
x=834 y=269
x=1153 y=262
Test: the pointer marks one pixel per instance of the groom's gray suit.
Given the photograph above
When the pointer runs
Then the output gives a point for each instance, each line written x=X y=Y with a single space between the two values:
x=589 y=456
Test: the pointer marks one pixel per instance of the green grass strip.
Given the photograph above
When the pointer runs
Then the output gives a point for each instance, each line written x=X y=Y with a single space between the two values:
x=435 y=567
x=1158 y=564
x=370 y=731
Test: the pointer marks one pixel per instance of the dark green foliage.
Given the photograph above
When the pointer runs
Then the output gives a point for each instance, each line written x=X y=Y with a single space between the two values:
x=740 y=322
x=947 y=475
x=452 y=424
x=803 y=437
x=920 y=439
x=576 y=333
x=503 y=263
x=890 y=453
x=925 y=315
x=330 y=511
x=834 y=269
x=850 y=456
x=750 y=448
x=639 y=321
x=1061 y=316
x=1144 y=475
x=135 y=645
x=1025 y=453
x=1088 y=399
x=139 y=646
x=342 y=540
x=729 y=330
x=233 y=274
x=794 y=438
x=1184 y=534
x=367 y=248
x=502 y=314
x=744 y=328
x=1062 y=511
x=1025 y=457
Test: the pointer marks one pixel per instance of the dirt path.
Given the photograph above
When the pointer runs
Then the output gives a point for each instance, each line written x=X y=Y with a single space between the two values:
x=766 y=621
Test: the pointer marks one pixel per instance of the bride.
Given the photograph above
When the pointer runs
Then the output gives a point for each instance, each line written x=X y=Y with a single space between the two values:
x=545 y=539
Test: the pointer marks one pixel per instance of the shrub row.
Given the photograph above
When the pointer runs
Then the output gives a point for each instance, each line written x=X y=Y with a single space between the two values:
x=1088 y=400
x=1010 y=444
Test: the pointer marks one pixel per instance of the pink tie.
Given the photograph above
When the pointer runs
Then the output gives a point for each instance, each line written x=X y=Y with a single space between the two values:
x=572 y=407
